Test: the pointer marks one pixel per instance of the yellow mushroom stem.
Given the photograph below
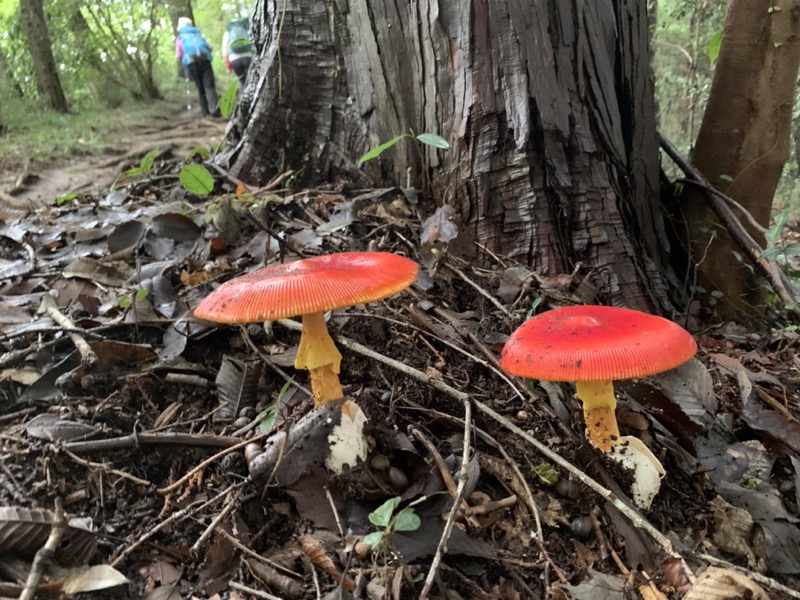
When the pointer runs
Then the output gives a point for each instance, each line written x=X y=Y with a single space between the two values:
x=318 y=354
x=599 y=403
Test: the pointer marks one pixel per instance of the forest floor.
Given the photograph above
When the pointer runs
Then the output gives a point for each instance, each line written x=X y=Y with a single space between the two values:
x=150 y=426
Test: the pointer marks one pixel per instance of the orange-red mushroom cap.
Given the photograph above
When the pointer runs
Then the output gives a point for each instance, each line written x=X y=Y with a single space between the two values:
x=595 y=343
x=306 y=286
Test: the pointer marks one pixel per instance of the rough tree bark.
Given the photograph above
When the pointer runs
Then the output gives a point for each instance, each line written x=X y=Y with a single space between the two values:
x=44 y=67
x=548 y=106
x=744 y=142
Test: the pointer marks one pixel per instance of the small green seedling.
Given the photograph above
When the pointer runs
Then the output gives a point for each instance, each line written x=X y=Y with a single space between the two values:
x=266 y=419
x=126 y=301
x=429 y=139
x=144 y=168
x=66 y=198
x=389 y=521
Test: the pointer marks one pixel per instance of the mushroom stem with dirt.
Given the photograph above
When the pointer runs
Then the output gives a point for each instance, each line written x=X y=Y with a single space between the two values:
x=309 y=288
x=593 y=346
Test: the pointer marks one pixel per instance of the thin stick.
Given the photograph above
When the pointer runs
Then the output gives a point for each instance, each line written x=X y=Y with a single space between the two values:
x=480 y=290
x=230 y=504
x=44 y=556
x=206 y=462
x=88 y=357
x=441 y=548
x=105 y=467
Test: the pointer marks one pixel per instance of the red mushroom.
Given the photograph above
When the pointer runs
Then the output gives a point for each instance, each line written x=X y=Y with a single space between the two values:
x=310 y=287
x=593 y=345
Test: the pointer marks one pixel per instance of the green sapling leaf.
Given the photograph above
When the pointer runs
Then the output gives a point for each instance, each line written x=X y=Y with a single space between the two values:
x=382 y=516
x=373 y=539
x=141 y=294
x=229 y=99
x=197 y=179
x=146 y=164
x=431 y=139
x=376 y=152
x=407 y=520
x=68 y=197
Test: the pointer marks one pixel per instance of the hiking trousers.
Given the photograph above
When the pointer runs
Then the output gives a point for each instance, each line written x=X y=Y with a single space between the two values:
x=240 y=67
x=203 y=76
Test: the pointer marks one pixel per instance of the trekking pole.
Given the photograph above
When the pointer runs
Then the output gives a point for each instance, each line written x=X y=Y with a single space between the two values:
x=188 y=91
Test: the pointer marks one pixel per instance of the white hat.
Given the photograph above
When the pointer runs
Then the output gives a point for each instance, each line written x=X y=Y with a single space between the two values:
x=184 y=22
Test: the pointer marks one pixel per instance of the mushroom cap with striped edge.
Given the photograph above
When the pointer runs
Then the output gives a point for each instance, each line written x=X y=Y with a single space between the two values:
x=309 y=285
x=595 y=343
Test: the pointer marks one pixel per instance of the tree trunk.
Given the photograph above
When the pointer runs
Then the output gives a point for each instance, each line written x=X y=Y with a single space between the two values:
x=548 y=106
x=743 y=142
x=44 y=67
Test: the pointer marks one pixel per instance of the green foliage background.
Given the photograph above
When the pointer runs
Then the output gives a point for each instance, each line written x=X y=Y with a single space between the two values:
x=94 y=78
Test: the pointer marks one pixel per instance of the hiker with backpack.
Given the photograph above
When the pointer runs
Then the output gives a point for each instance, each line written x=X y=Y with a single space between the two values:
x=194 y=53
x=236 y=48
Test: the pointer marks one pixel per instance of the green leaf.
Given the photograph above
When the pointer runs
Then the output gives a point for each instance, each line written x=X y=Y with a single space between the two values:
x=68 y=197
x=407 y=520
x=229 y=99
x=727 y=178
x=713 y=46
x=146 y=164
x=546 y=473
x=197 y=179
x=373 y=539
x=431 y=139
x=376 y=152
x=132 y=172
x=382 y=516
x=267 y=419
x=141 y=294
x=125 y=302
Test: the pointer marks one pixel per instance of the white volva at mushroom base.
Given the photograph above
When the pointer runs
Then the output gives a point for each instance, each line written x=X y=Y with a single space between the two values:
x=631 y=453
x=347 y=442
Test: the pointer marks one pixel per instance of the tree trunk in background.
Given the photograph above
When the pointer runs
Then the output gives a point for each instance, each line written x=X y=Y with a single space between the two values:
x=44 y=67
x=744 y=141
x=549 y=108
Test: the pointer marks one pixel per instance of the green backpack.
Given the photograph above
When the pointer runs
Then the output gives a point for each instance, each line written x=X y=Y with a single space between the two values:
x=239 y=36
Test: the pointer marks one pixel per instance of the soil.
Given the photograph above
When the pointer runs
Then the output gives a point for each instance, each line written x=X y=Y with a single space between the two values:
x=160 y=433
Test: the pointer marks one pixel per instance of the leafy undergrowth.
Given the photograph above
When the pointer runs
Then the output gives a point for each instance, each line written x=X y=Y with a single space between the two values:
x=143 y=431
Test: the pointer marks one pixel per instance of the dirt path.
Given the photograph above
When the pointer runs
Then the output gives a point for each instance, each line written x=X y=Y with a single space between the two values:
x=171 y=128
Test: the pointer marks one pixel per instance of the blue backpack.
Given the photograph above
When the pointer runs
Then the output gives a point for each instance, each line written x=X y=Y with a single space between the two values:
x=195 y=46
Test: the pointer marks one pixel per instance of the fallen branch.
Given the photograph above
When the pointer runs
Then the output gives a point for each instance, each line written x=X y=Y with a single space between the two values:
x=188 y=440
x=751 y=248
x=44 y=556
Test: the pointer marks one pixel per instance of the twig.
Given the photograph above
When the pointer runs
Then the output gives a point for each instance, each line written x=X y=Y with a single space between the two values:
x=252 y=591
x=188 y=440
x=480 y=290
x=742 y=210
x=44 y=556
x=440 y=385
x=751 y=248
x=105 y=467
x=230 y=504
x=206 y=462
x=175 y=517
x=447 y=477
x=88 y=357
x=441 y=548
